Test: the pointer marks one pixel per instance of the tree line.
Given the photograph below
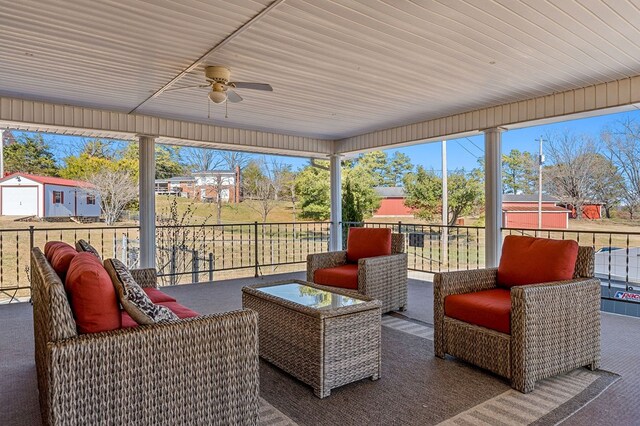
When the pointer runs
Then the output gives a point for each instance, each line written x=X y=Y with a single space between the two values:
x=580 y=169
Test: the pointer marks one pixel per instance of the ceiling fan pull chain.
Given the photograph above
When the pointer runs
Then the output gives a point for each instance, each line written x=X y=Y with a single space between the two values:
x=226 y=109
x=208 y=108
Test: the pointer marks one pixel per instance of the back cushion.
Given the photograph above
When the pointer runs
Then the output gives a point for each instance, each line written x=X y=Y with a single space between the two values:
x=50 y=248
x=528 y=260
x=368 y=242
x=61 y=258
x=92 y=295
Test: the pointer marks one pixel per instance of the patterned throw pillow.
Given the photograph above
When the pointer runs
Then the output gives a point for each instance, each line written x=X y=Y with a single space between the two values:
x=83 y=246
x=133 y=299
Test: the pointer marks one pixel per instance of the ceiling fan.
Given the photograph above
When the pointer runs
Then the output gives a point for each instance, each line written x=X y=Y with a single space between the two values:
x=221 y=89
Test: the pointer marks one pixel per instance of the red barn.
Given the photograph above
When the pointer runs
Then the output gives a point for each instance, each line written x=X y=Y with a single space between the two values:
x=590 y=210
x=392 y=202
x=521 y=211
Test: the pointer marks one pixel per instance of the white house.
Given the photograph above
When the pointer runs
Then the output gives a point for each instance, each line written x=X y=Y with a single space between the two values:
x=22 y=194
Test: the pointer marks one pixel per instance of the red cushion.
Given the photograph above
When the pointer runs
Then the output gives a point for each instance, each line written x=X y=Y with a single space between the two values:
x=51 y=246
x=157 y=296
x=127 y=321
x=180 y=310
x=345 y=276
x=528 y=260
x=92 y=296
x=61 y=259
x=487 y=308
x=368 y=242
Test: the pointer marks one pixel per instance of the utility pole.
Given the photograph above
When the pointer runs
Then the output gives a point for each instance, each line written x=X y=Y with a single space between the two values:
x=445 y=206
x=540 y=164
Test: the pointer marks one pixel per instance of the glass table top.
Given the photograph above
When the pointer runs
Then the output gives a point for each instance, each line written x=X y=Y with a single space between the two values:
x=309 y=296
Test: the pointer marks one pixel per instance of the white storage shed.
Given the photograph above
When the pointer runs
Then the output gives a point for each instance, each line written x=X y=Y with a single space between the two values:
x=47 y=197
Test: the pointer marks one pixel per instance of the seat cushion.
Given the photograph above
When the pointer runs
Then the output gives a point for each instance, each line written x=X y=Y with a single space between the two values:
x=92 y=296
x=528 y=260
x=368 y=242
x=180 y=310
x=345 y=276
x=133 y=299
x=157 y=296
x=61 y=257
x=487 y=308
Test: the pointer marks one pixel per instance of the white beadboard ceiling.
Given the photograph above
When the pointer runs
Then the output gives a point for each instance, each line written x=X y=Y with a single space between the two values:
x=338 y=68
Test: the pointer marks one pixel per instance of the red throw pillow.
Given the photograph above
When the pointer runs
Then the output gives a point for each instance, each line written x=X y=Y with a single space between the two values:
x=528 y=260
x=368 y=242
x=92 y=295
x=50 y=248
x=61 y=259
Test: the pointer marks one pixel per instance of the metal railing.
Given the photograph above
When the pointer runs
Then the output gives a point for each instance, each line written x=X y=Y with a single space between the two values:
x=202 y=253
x=185 y=254
x=424 y=245
x=617 y=259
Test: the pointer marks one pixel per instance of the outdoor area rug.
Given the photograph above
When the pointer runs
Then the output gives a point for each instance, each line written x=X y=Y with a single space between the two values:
x=416 y=388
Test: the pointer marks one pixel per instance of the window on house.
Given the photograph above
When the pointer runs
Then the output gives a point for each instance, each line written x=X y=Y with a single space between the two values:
x=58 y=197
x=91 y=199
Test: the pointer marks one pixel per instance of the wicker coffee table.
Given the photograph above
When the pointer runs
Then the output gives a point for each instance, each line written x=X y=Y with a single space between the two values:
x=323 y=336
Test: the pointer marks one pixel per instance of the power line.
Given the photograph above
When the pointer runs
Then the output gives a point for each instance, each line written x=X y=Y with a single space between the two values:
x=465 y=148
x=474 y=144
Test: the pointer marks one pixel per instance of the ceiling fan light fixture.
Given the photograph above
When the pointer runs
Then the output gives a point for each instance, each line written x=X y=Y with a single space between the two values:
x=217 y=97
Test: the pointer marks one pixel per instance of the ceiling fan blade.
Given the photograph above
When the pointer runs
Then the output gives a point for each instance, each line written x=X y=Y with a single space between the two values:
x=253 y=86
x=200 y=86
x=233 y=96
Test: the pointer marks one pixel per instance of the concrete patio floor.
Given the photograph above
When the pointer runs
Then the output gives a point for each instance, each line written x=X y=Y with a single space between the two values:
x=620 y=349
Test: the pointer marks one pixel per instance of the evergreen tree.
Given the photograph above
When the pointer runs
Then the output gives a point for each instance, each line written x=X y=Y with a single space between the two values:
x=424 y=194
x=351 y=211
x=30 y=154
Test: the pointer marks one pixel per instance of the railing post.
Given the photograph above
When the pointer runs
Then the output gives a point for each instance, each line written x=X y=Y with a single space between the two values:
x=31 y=239
x=255 y=248
x=399 y=227
x=194 y=267
x=172 y=265
x=210 y=267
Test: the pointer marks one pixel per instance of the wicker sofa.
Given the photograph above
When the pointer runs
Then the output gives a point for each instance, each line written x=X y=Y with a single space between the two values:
x=383 y=277
x=196 y=371
x=555 y=326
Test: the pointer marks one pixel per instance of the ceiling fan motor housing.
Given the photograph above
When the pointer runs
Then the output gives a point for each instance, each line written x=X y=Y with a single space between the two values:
x=218 y=74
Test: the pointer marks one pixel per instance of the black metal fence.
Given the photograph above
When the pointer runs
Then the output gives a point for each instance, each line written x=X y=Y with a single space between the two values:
x=617 y=259
x=185 y=254
x=202 y=253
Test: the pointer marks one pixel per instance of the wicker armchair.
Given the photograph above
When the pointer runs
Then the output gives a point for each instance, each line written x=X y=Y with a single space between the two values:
x=555 y=327
x=195 y=371
x=383 y=277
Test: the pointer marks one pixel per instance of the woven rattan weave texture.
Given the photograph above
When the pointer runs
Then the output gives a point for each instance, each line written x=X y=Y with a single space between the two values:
x=383 y=278
x=555 y=326
x=324 y=348
x=195 y=371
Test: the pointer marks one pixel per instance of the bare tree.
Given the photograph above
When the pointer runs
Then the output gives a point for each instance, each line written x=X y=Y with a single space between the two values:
x=571 y=171
x=203 y=159
x=259 y=182
x=116 y=189
x=233 y=159
x=623 y=148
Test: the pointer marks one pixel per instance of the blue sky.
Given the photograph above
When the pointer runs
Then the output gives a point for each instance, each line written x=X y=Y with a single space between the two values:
x=462 y=153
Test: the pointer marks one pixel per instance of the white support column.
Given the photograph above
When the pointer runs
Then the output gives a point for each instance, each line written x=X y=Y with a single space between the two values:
x=335 y=234
x=147 y=167
x=493 y=196
x=444 y=236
